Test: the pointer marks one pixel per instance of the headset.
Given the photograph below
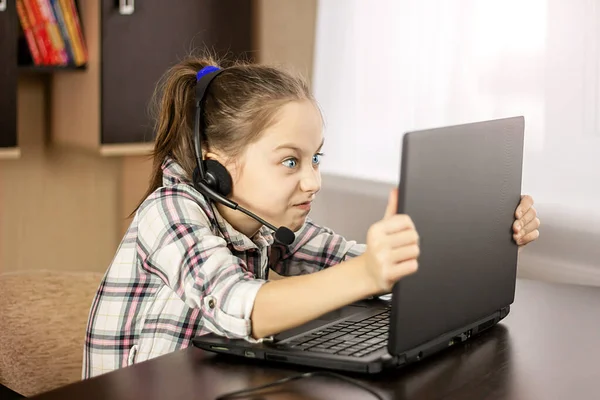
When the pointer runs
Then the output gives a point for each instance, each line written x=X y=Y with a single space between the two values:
x=210 y=177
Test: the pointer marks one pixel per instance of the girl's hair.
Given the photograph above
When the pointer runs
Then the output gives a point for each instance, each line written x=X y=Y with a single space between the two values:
x=240 y=104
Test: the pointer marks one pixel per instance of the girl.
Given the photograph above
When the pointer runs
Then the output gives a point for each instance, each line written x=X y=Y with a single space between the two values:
x=189 y=266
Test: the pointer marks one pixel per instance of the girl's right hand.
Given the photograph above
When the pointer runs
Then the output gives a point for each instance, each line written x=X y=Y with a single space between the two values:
x=392 y=248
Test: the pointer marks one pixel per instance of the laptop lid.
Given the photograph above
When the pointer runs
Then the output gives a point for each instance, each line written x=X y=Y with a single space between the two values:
x=461 y=186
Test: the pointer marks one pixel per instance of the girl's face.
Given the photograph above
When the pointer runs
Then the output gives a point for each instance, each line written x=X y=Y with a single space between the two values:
x=278 y=175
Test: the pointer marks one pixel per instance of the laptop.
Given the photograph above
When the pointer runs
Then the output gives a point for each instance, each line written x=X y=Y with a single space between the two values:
x=461 y=185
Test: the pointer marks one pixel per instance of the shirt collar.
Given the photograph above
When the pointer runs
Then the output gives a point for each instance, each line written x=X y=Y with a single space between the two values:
x=263 y=238
x=174 y=174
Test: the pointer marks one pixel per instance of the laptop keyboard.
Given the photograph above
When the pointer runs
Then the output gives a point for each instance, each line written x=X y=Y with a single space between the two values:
x=347 y=338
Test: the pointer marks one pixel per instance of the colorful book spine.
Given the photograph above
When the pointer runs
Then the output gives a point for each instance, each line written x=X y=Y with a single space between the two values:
x=39 y=31
x=71 y=17
x=29 y=36
x=56 y=40
x=60 y=20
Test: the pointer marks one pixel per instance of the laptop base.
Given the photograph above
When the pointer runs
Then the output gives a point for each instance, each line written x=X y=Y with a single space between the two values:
x=376 y=362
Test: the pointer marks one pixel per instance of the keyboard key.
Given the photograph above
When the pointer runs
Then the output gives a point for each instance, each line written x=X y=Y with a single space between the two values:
x=348 y=338
x=319 y=350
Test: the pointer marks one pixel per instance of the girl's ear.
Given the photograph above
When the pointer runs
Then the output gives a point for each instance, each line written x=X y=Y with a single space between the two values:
x=213 y=156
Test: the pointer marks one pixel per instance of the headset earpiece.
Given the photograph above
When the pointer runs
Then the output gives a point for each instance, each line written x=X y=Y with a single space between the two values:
x=217 y=177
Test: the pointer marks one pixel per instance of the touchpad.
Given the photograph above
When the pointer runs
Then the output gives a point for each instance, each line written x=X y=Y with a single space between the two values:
x=322 y=320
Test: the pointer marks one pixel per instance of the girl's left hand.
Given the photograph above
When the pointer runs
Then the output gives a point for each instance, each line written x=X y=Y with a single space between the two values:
x=527 y=223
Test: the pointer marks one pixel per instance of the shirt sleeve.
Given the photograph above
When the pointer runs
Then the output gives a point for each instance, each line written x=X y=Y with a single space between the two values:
x=314 y=249
x=197 y=265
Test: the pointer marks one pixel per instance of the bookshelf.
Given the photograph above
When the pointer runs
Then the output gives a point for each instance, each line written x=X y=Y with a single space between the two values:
x=49 y=68
x=102 y=106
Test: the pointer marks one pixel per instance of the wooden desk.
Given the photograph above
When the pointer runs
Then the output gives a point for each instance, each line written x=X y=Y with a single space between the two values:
x=548 y=347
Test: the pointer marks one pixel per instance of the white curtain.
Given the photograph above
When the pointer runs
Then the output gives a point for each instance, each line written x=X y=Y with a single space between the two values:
x=384 y=67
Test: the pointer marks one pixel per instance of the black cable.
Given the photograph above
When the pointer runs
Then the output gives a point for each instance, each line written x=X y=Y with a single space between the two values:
x=246 y=392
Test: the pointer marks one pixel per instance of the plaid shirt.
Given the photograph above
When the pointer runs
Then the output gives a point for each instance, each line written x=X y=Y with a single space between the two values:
x=182 y=270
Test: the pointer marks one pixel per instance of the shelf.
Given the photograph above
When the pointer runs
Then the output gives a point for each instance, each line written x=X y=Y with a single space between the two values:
x=9 y=153
x=102 y=106
x=134 y=149
x=46 y=69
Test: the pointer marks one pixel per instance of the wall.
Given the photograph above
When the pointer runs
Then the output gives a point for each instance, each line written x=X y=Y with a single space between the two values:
x=58 y=208
x=286 y=33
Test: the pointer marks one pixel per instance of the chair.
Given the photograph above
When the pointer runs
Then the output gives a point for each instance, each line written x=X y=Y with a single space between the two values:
x=43 y=316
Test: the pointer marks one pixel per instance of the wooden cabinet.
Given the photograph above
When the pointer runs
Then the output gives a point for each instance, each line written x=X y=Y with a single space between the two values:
x=8 y=77
x=137 y=49
x=104 y=107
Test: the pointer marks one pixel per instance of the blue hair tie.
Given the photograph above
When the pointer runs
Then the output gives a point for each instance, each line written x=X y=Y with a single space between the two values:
x=205 y=71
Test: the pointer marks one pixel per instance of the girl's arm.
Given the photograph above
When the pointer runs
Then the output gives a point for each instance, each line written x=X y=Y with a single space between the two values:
x=391 y=253
x=286 y=303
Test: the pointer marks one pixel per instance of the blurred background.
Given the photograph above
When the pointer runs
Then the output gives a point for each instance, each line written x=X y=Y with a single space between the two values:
x=76 y=78
x=75 y=136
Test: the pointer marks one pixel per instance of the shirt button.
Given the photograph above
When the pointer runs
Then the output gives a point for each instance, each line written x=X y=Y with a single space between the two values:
x=211 y=303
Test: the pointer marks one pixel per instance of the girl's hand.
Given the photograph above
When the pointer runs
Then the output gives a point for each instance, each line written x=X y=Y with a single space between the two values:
x=392 y=247
x=527 y=223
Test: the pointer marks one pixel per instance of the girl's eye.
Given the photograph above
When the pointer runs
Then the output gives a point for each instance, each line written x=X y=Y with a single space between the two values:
x=290 y=163
x=317 y=158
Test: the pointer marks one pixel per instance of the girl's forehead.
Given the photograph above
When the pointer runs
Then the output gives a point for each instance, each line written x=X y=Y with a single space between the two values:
x=298 y=124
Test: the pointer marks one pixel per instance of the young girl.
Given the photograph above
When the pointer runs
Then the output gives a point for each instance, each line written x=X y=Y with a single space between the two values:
x=189 y=266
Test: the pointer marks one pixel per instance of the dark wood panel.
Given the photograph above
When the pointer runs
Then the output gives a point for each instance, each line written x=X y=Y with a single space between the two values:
x=138 y=48
x=8 y=75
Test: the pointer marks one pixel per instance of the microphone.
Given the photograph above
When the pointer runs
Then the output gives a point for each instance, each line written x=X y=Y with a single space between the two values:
x=282 y=234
